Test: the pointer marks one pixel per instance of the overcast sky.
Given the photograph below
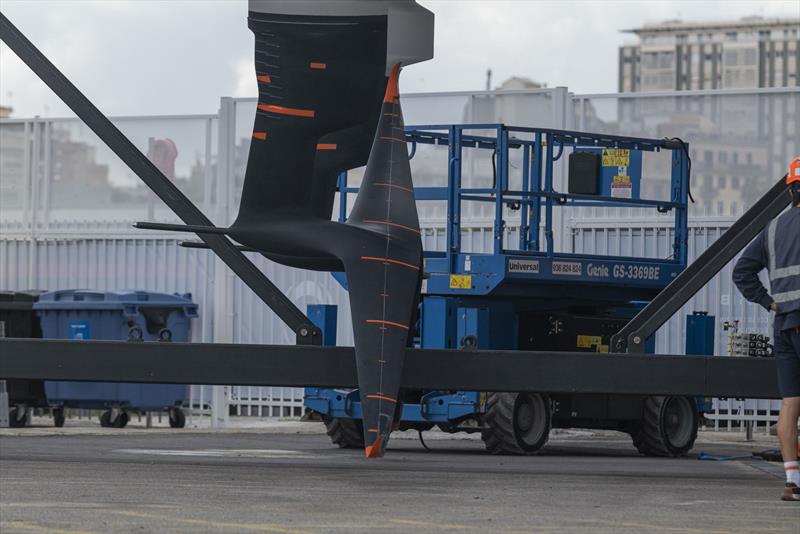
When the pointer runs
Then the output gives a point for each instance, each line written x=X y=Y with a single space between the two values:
x=135 y=57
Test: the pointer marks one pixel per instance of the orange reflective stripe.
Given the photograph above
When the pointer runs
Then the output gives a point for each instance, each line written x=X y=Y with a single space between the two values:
x=380 y=321
x=792 y=468
x=280 y=110
x=264 y=79
x=383 y=397
x=260 y=135
x=389 y=260
x=319 y=66
x=326 y=146
x=389 y=223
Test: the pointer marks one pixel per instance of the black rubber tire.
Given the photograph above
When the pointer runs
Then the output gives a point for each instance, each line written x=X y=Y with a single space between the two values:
x=516 y=423
x=14 y=421
x=668 y=426
x=59 y=417
x=120 y=422
x=346 y=433
x=177 y=419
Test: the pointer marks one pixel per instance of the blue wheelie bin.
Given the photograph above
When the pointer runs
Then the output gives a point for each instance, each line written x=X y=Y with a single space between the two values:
x=117 y=315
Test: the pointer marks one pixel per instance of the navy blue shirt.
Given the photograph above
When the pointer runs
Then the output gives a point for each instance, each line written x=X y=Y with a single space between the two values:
x=745 y=275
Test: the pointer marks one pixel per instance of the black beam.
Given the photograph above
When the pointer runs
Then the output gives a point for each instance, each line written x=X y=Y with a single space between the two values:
x=287 y=365
x=634 y=335
x=191 y=228
x=200 y=244
x=158 y=183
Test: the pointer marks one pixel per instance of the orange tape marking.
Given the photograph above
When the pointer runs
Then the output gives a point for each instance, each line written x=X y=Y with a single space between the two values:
x=389 y=260
x=326 y=146
x=318 y=66
x=264 y=79
x=260 y=135
x=379 y=321
x=383 y=397
x=280 y=110
x=384 y=184
x=389 y=223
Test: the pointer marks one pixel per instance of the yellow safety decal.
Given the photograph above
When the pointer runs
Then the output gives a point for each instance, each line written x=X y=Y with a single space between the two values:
x=587 y=342
x=602 y=348
x=622 y=179
x=460 y=281
x=616 y=157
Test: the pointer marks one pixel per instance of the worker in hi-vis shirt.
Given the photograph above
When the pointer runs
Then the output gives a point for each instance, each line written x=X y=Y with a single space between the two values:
x=777 y=249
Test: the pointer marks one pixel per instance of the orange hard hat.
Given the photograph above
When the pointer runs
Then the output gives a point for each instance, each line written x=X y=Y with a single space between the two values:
x=794 y=171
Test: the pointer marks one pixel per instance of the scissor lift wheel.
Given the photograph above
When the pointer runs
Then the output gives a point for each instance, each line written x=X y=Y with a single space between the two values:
x=668 y=426
x=120 y=421
x=346 y=433
x=177 y=419
x=516 y=423
x=17 y=416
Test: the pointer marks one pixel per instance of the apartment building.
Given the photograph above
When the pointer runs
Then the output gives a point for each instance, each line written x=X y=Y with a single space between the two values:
x=747 y=53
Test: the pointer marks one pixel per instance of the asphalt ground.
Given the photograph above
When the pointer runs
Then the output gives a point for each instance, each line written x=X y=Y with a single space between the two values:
x=290 y=479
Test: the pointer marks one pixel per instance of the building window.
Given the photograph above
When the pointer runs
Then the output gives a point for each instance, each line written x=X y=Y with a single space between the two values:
x=681 y=38
x=763 y=35
x=723 y=182
x=730 y=36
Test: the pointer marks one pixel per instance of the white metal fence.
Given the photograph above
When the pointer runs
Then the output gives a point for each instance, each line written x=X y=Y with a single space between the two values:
x=66 y=205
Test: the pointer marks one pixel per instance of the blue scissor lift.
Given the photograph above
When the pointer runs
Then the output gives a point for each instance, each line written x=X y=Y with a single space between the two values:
x=529 y=296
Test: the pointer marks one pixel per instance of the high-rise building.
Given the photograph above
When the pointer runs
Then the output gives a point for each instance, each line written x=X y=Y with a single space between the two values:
x=747 y=53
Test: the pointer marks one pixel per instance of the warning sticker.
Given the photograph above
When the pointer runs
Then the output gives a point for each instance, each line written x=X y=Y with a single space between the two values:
x=460 y=281
x=616 y=157
x=621 y=189
x=587 y=342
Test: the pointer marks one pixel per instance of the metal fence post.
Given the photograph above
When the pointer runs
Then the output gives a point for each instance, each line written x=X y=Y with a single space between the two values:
x=223 y=307
x=562 y=119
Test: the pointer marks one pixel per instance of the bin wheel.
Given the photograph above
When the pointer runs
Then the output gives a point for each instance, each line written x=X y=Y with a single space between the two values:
x=516 y=423
x=120 y=422
x=346 y=433
x=59 y=417
x=165 y=335
x=177 y=419
x=668 y=426
x=135 y=334
x=17 y=417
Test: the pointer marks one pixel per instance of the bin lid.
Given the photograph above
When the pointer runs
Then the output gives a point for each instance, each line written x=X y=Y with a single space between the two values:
x=19 y=300
x=93 y=299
